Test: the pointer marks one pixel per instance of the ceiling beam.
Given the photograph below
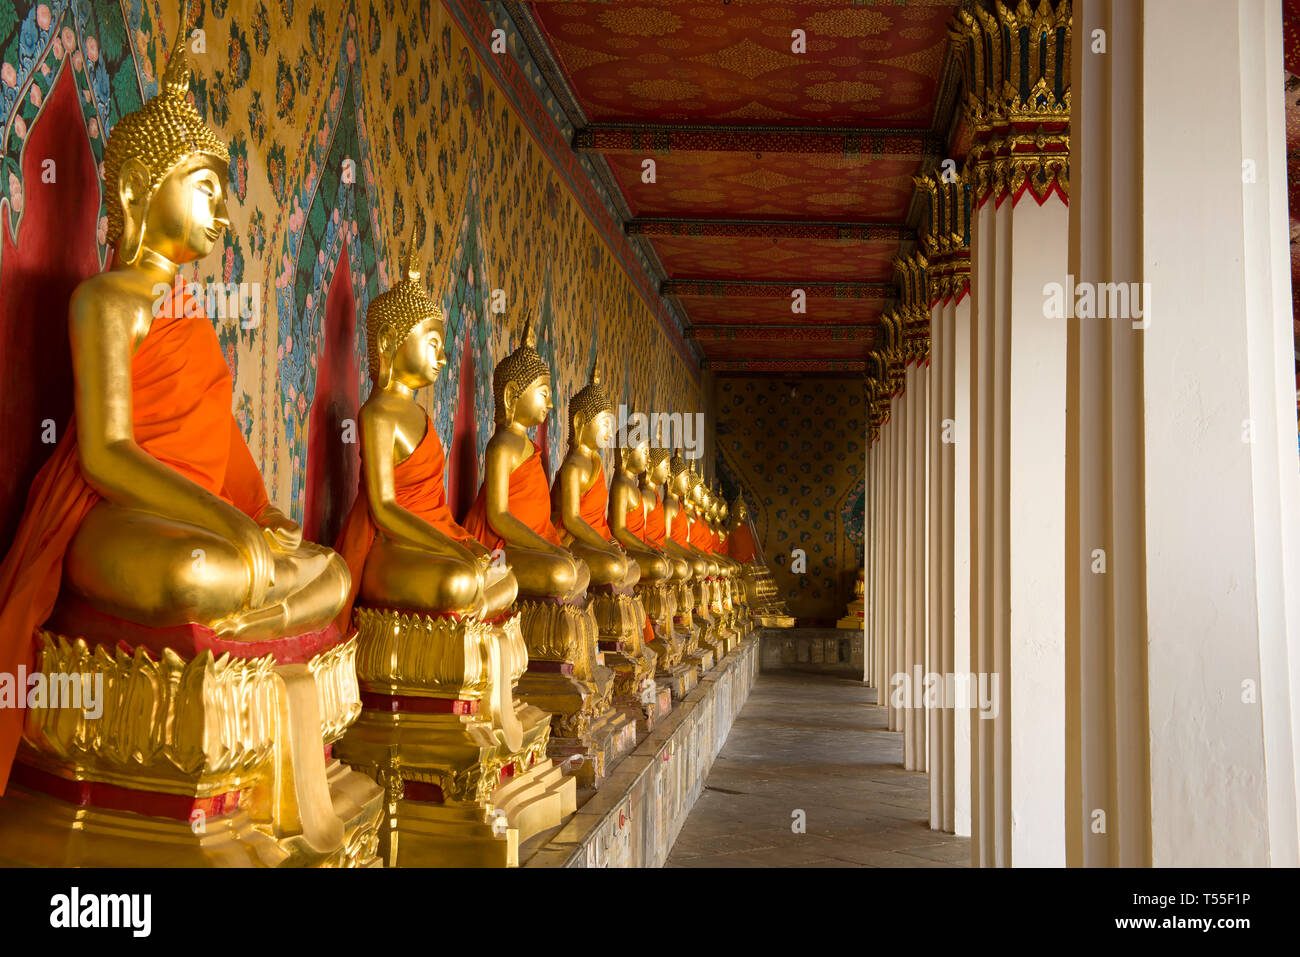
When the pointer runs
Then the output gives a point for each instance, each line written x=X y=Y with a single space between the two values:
x=825 y=332
x=774 y=289
x=849 y=142
x=784 y=366
x=767 y=229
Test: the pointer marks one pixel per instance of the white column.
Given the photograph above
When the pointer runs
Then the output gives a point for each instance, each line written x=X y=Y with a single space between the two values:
x=1212 y=472
x=983 y=830
x=940 y=565
x=1036 y=553
x=898 y=585
x=959 y=373
x=913 y=655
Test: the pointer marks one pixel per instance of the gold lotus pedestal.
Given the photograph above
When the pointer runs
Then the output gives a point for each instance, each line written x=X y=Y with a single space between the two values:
x=699 y=653
x=207 y=760
x=761 y=591
x=463 y=763
x=669 y=644
x=621 y=621
x=566 y=676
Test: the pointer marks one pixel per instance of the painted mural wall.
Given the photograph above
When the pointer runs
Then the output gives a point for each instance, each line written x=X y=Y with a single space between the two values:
x=352 y=125
x=797 y=450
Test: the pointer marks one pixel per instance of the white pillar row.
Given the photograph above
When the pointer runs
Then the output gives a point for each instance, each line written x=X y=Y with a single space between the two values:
x=868 y=558
x=1184 y=655
x=1016 y=76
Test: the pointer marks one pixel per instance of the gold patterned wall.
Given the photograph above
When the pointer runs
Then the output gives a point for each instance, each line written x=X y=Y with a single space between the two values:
x=351 y=124
x=797 y=449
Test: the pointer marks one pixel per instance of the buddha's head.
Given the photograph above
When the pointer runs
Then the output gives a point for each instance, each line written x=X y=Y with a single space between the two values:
x=694 y=490
x=166 y=173
x=740 y=509
x=658 y=466
x=635 y=456
x=591 y=415
x=404 y=331
x=680 y=477
x=521 y=385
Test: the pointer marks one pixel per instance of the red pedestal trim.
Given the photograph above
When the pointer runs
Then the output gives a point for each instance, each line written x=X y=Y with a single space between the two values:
x=111 y=797
x=373 y=701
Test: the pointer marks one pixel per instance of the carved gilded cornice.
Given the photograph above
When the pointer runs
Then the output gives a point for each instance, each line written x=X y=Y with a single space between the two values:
x=1015 y=66
x=913 y=310
x=945 y=235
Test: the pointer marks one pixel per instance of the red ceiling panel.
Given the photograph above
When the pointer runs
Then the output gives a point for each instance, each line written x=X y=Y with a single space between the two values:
x=696 y=61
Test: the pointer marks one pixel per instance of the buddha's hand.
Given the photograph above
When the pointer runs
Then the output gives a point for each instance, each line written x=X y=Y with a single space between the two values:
x=253 y=544
x=282 y=530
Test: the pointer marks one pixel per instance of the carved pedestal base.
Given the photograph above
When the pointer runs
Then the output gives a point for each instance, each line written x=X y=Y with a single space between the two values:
x=463 y=763
x=621 y=622
x=567 y=678
x=209 y=761
x=669 y=642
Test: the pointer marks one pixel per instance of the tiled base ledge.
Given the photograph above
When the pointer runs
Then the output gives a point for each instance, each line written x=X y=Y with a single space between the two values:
x=636 y=815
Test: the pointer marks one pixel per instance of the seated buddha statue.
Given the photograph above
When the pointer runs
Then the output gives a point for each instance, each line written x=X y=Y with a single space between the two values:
x=402 y=545
x=628 y=512
x=677 y=518
x=579 y=495
x=151 y=511
x=700 y=538
x=654 y=496
x=513 y=508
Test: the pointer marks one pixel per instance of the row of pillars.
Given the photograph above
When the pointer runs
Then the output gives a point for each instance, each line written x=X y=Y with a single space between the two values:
x=1083 y=482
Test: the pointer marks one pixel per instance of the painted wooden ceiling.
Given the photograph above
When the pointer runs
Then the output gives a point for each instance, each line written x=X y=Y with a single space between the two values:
x=774 y=170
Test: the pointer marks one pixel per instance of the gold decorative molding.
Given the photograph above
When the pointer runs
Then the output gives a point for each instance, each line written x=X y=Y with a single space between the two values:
x=945 y=235
x=401 y=653
x=1015 y=67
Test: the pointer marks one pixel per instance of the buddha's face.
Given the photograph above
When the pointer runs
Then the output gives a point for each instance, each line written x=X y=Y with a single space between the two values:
x=421 y=354
x=636 y=457
x=742 y=512
x=187 y=213
x=599 y=432
x=659 y=474
x=681 y=481
x=534 y=403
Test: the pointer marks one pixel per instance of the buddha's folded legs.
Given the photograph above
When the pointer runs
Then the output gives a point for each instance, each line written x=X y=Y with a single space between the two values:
x=547 y=574
x=654 y=567
x=399 y=576
x=606 y=568
x=153 y=571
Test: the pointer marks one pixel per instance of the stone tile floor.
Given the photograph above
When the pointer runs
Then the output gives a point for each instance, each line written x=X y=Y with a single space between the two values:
x=815 y=743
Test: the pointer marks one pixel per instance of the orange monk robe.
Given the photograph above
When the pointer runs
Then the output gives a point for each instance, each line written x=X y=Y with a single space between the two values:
x=418 y=483
x=679 y=527
x=529 y=499
x=740 y=544
x=700 y=536
x=654 y=525
x=594 y=505
x=635 y=521
x=181 y=395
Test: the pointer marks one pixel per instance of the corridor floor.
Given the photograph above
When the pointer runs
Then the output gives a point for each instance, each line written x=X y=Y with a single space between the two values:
x=815 y=744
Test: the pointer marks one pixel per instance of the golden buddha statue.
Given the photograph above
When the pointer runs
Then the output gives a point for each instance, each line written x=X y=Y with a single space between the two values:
x=580 y=503
x=150 y=528
x=566 y=675
x=693 y=604
x=759 y=586
x=631 y=515
x=438 y=655
x=579 y=497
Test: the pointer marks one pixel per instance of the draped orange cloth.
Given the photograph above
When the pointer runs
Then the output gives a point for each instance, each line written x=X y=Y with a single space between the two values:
x=635 y=521
x=700 y=536
x=594 y=505
x=740 y=544
x=530 y=502
x=654 y=525
x=679 y=526
x=418 y=482
x=181 y=395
